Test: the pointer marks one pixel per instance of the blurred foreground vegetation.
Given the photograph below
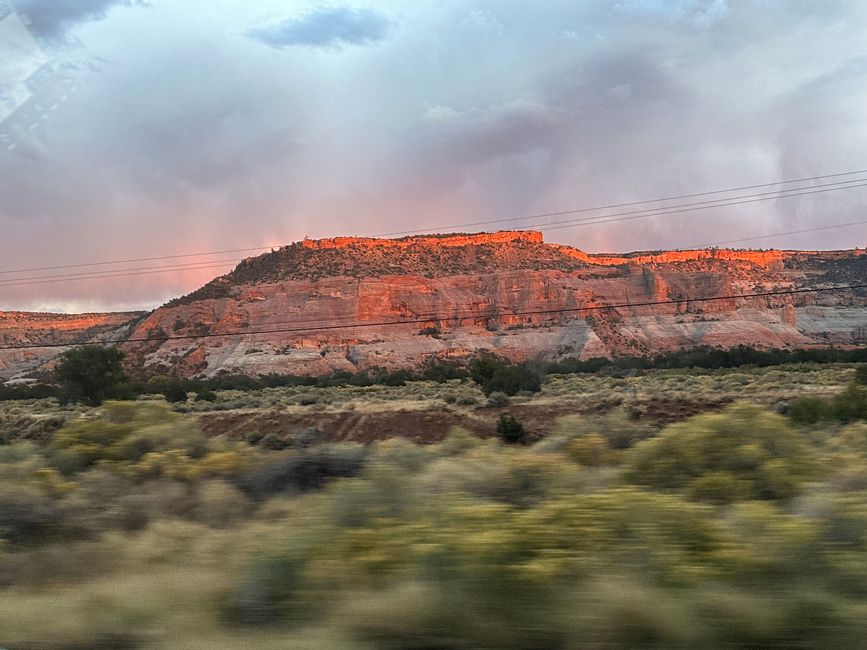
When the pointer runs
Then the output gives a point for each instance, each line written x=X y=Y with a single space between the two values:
x=126 y=527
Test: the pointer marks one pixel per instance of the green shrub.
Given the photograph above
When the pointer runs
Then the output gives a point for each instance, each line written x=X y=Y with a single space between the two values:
x=89 y=374
x=741 y=453
x=851 y=404
x=123 y=435
x=510 y=430
x=498 y=400
x=494 y=374
x=810 y=410
x=304 y=472
x=174 y=393
x=512 y=380
x=27 y=514
x=220 y=505
x=861 y=374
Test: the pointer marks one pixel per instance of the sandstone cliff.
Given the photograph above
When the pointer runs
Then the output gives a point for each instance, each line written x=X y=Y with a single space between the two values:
x=41 y=329
x=339 y=298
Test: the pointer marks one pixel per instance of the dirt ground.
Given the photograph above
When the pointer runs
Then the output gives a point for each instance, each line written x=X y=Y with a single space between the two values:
x=431 y=425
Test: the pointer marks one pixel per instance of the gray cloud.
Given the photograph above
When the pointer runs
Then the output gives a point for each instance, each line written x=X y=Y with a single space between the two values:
x=329 y=27
x=190 y=138
x=52 y=18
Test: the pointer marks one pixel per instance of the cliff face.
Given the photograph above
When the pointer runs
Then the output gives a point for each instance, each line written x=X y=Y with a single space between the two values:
x=325 y=305
x=34 y=329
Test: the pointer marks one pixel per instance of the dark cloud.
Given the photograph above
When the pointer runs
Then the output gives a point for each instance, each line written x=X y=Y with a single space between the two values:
x=52 y=18
x=329 y=27
x=190 y=138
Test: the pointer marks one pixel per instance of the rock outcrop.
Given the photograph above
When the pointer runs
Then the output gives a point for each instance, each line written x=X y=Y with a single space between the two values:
x=31 y=330
x=353 y=303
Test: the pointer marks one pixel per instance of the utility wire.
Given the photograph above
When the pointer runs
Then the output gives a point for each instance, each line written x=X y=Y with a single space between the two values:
x=137 y=259
x=781 y=292
x=450 y=227
x=618 y=218
x=77 y=278
x=790 y=232
x=556 y=225
x=96 y=274
x=624 y=205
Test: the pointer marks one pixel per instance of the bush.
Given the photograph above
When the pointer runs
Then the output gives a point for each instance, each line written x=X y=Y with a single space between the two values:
x=494 y=374
x=89 y=374
x=510 y=430
x=810 y=410
x=498 y=400
x=848 y=406
x=861 y=374
x=174 y=393
x=512 y=380
x=304 y=472
x=220 y=505
x=27 y=515
x=851 y=404
x=590 y=450
x=124 y=435
x=741 y=453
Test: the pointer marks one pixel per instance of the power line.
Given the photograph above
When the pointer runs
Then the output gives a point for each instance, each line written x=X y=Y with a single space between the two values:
x=137 y=259
x=766 y=294
x=77 y=277
x=212 y=264
x=604 y=219
x=596 y=220
x=625 y=205
x=453 y=226
x=790 y=232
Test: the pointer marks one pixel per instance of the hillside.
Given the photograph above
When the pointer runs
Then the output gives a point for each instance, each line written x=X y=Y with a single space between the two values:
x=34 y=329
x=465 y=293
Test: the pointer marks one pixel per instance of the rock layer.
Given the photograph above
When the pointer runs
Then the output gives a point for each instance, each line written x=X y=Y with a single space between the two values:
x=356 y=303
x=31 y=330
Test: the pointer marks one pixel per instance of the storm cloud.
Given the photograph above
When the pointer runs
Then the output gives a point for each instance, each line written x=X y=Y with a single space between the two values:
x=51 y=19
x=330 y=27
x=192 y=136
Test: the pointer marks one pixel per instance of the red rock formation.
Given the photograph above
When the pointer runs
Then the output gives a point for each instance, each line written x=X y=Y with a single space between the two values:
x=442 y=241
x=392 y=303
x=771 y=259
x=30 y=329
x=349 y=303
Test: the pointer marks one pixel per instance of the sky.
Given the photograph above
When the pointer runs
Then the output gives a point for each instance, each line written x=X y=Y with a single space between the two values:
x=135 y=129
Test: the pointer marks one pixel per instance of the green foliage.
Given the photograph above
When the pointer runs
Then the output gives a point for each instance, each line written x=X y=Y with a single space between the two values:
x=741 y=453
x=498 y=400
x=494 y=374
x=727 y=530
x=851 y=404
x=847 y=406
x=145 y=441
x=90 y=373
x=27 y=392
x=708 y=357
x=618 y=429
x=174 y=393
x=510 y=430
x=861 y=374
x=305 y=472
x=810 y=410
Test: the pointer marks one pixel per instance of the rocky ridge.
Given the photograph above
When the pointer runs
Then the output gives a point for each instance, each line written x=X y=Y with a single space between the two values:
x=325 y=305
x=34 y=329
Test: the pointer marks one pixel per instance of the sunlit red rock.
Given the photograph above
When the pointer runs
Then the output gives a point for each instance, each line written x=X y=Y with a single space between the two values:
x=340 y=304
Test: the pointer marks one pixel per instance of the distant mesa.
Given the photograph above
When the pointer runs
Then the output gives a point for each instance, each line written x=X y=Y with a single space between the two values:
x=355 y=303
